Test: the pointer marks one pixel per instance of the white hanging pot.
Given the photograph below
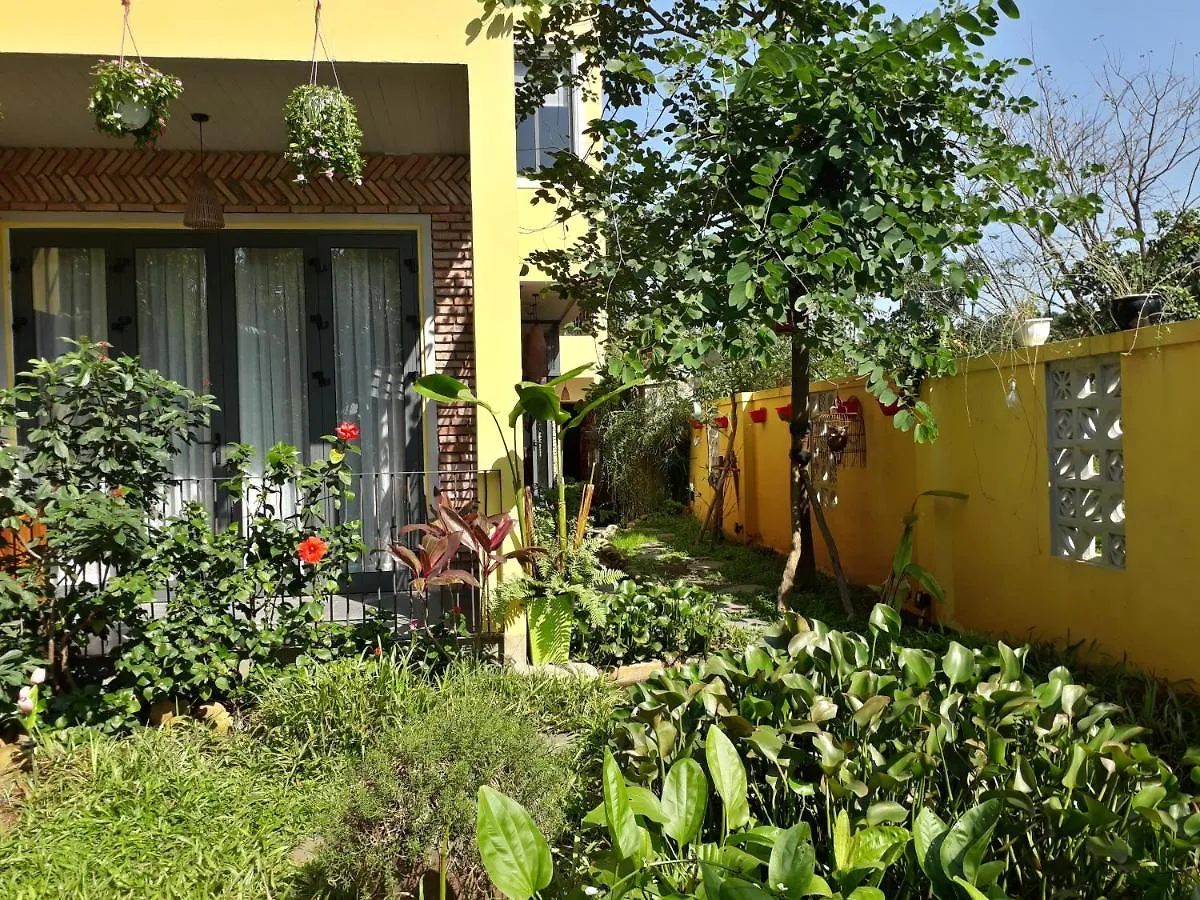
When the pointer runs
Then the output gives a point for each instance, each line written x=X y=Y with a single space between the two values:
x=133 y=115
x=1033 y=332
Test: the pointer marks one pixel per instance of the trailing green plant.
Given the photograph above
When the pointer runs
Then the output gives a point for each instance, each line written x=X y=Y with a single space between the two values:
x=324 y=138
x=906 y=577
x=639 y=622
x=898 y=351
x=127 y=91
x=826 y=721
x=81 y=492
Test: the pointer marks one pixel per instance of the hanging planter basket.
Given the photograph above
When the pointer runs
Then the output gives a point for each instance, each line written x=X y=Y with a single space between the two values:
x=131 y=98
x=324 y=138
x=758 y=416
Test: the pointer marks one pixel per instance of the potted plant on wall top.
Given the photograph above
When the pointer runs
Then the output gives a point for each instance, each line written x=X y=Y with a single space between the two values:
x=130 y=97
x=1032 y=328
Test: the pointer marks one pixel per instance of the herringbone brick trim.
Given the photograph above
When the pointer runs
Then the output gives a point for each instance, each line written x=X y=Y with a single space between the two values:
x=87 y=180
x=42 y=178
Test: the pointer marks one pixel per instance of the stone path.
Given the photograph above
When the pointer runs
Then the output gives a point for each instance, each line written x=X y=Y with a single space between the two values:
x=746 y=604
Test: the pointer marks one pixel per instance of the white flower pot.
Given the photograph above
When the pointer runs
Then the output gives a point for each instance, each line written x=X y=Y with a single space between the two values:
x=133 y=114
x=1033 y=332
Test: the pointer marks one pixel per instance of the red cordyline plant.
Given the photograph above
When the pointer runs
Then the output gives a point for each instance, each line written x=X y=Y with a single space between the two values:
x=450 y=531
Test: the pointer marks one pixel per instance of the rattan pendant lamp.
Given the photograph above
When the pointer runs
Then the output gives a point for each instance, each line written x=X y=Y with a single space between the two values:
x=204 y=209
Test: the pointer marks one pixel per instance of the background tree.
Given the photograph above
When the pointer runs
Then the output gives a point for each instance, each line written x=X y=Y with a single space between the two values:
x=1131 y=159
x=801 y=160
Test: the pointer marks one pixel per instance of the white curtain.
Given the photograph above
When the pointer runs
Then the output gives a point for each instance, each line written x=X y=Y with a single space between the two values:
x=272 y=371
x=172 y=309
x=368 y=305
x=68 y=297
x=272 y=382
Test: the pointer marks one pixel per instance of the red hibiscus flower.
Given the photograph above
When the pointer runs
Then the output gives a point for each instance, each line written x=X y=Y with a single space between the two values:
x=347 y=431
x=118 y=491
x=378 y=651
x=312 y=550
x=457 y=610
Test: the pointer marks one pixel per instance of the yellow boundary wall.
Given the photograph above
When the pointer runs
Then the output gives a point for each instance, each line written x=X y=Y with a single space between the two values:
x=992 y=552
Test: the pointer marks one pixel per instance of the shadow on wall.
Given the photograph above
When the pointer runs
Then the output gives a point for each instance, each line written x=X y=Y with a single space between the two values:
x=1043 y=548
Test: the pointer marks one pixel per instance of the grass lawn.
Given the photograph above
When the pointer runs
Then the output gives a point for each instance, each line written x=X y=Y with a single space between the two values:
x=277 y=808
x=171 y=812
x=665 y=547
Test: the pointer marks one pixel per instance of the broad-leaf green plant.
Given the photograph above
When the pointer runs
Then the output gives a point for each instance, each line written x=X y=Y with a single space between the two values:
x=1038 y=771
x=906 y=577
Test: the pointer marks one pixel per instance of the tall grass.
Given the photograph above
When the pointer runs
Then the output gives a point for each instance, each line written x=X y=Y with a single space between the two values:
x=165 y=813
x=182 y=812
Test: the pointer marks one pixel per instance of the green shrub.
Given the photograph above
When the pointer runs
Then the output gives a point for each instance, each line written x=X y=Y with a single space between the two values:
x=827 y=722
x=413 y=803
x=84 y=487
x=639 y=622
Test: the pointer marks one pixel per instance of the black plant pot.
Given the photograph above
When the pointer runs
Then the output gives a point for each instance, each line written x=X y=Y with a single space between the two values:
x=1137 y=309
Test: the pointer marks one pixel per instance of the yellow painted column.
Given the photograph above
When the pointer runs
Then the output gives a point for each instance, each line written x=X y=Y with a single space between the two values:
x=497 y=264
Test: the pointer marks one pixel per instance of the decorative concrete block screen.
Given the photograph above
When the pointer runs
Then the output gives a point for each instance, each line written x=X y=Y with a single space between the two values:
x=1087 y=465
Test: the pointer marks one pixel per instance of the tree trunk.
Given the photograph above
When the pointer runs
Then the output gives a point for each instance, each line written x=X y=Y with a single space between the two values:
x=806 y=567
x=834 y=557
x=801 y=568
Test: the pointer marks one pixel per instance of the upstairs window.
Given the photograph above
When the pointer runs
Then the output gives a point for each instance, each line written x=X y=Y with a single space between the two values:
x=548 y=130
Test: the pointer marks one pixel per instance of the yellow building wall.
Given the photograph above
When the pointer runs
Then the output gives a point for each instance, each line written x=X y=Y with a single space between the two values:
x=992 y=552
x=539 y=229
x=371 y=31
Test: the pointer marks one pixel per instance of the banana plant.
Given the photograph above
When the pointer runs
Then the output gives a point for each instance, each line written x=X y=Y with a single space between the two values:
x=536 y=401
x=906 y=576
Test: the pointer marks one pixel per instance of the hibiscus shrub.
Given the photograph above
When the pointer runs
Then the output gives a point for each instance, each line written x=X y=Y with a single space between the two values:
x=88 y=547
x=256 y=591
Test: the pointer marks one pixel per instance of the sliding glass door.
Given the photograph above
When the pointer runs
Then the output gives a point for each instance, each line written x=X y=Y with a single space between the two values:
x=271 y=361
x=292 y=331
x=69 y=296
x=376 y=339
x=171 y=296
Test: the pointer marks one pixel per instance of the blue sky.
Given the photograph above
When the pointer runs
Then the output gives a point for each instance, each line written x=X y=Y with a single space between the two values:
x=1073 y=37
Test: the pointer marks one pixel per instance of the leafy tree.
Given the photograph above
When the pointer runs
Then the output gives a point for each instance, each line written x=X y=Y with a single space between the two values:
x=1167 y=264
x=799 y=160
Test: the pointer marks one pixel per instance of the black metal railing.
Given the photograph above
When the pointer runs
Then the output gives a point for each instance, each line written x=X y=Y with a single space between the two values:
x=376 y=588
